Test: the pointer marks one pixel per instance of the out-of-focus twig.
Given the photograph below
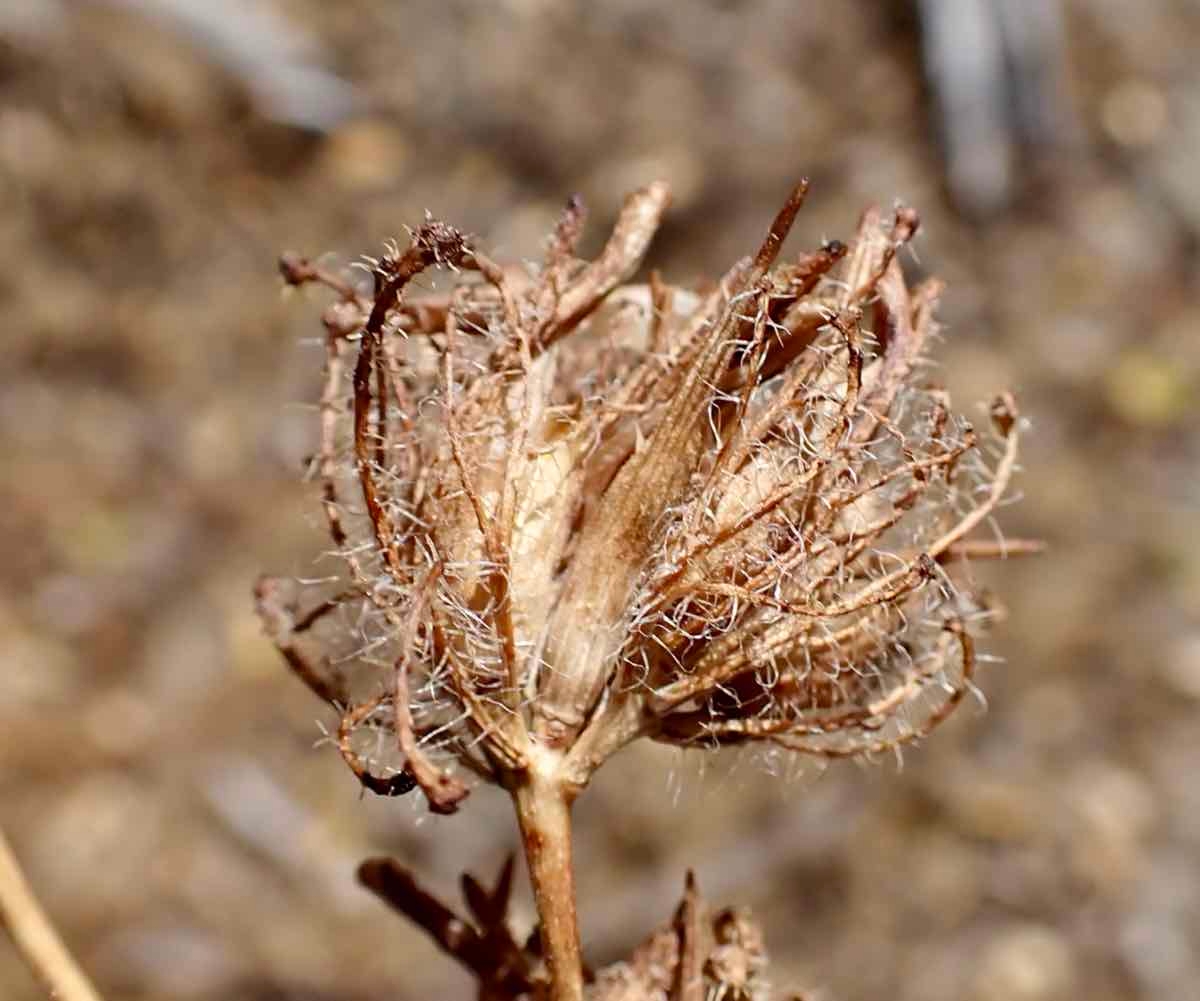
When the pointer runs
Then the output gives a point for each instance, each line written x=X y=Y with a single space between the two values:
x=264 y=48
x=278 y=63
x=996 y=68
x=34 y=936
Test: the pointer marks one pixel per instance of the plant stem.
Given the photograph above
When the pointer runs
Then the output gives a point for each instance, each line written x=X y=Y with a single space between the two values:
x=543 y=804
x=34 y=936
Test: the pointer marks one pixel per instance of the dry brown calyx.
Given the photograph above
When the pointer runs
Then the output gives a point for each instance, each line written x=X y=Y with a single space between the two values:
x=574 y=512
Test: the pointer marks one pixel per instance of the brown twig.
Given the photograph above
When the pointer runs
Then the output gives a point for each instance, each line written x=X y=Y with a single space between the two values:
x=487 y=950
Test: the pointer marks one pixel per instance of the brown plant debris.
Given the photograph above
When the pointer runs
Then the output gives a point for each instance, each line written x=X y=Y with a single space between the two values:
x=700 y=954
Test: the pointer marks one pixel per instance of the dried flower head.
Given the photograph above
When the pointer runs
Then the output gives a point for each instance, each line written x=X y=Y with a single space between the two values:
x=574 y=512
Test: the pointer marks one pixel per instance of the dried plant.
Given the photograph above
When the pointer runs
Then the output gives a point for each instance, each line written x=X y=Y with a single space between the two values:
x=574 y=513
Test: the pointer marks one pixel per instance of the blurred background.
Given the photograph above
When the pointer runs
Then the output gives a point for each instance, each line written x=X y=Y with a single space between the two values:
x=157 y=766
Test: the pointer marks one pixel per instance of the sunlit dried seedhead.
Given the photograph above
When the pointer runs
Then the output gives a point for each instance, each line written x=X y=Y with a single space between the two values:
x=574 y=512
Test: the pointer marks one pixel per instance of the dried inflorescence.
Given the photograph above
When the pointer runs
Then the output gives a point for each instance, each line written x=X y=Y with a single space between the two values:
x=575 y=512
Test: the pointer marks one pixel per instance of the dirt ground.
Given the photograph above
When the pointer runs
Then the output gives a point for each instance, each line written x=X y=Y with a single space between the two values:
x=157 y=766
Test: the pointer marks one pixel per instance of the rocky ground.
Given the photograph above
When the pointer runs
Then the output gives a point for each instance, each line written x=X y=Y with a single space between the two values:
x=157 y=766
